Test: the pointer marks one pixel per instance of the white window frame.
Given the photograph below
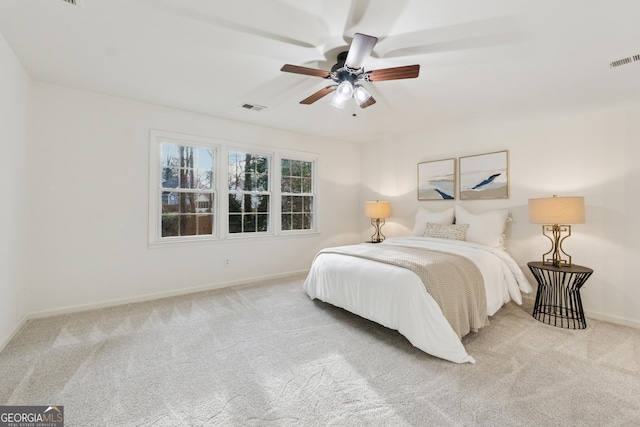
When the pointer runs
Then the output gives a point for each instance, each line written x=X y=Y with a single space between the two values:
x=313 y=159
x=220 y=211
x=157 y=138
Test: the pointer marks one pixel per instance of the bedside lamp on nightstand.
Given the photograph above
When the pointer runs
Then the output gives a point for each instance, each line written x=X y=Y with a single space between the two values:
x=377 y=211
x=558 y=301
x=556 y=214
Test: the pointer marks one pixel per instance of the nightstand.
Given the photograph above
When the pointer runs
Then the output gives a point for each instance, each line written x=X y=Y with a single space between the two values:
x=558 y=301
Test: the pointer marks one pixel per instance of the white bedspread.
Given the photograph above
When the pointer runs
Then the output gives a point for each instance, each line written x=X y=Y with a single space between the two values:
x=396 y=297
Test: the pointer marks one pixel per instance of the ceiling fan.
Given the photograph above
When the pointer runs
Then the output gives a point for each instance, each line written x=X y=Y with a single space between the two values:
x=349 y=71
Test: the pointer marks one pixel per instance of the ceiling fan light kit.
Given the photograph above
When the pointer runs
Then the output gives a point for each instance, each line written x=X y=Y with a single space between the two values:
x=339 y=101
x=345 y=90
x=349 y=70
x=361 y=95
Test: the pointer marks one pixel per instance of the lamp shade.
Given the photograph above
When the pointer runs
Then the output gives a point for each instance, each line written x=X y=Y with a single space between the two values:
x=557 y=210
x=377 y=209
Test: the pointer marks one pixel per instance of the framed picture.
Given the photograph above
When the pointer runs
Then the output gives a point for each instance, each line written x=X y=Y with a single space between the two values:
x=485 y=176
x=437 y=180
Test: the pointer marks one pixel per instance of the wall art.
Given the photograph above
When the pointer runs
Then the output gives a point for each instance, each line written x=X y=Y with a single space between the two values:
x=437 y=180
x=485 y=176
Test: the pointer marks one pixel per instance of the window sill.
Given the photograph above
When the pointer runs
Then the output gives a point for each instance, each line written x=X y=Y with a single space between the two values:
x=229 y=238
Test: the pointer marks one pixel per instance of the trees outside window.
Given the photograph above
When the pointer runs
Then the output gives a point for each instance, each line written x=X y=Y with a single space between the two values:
x=297 y=194
x=187 y=190
x=249 y=195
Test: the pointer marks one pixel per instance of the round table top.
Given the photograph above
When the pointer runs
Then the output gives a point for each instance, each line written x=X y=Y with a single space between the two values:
x=573 y=268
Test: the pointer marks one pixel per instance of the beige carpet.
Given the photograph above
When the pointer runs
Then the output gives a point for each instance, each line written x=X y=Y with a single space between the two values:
x=265 y=354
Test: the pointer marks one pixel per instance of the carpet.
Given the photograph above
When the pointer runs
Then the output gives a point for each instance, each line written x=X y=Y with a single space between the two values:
x=266 y=354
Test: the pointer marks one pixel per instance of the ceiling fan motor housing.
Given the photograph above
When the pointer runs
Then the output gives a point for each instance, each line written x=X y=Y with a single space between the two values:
x=340 y=72
x=342 y=57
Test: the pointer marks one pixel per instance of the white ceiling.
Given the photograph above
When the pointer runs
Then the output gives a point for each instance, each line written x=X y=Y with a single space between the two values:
x=212 y=56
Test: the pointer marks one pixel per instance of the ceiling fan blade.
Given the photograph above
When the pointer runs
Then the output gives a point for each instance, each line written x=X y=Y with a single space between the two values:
x=234 y=19
x=394 y=73
x=467 y=35
x=288 y=68
x=367 y=13
x=360 y=49
x=368 y=102
x=319 y=94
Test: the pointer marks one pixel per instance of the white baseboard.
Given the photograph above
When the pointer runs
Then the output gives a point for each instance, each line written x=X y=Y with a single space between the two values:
x=588 y=314
x=158 y=295
x=612 y=319
x=13 y=333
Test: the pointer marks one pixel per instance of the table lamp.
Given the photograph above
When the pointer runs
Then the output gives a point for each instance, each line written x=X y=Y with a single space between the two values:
x=377 y=211
x=556 y=214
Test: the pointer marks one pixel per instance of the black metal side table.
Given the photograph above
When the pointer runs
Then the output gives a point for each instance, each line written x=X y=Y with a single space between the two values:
x=558 y=301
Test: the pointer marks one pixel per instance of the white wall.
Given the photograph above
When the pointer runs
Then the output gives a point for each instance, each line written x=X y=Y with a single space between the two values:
x=75 y=216
x=590 y=152
x=15 y=116
x=89 y=212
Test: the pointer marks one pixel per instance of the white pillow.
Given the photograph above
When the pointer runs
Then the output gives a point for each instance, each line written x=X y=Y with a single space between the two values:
x=485 y=228
x=448 y=231
x=424 y=216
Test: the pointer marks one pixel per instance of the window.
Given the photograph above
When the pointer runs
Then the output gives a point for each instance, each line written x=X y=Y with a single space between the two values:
x=267 y=192
x=187 y=190
x=249 y=195
x=183 y=190
x=297 y=194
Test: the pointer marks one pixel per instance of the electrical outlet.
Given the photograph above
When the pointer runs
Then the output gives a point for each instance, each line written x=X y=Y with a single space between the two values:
x=227 y=262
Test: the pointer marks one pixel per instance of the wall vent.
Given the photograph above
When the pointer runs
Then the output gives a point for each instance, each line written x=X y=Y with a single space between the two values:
x=624 y=61
x=254 y=107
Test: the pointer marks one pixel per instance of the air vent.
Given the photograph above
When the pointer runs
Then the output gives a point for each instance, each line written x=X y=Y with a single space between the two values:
x=624 y=61
x=254 y=107
x=73 y=2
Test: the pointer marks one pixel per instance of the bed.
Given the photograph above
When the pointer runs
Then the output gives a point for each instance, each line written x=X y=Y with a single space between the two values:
x=393 y=294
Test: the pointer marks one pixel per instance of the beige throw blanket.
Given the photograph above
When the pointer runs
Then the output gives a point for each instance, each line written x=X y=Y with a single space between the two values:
x=454 y=281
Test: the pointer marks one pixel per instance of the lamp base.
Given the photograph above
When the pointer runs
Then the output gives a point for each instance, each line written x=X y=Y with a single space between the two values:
x=377 y=237
x=554 y=263
x=556 y=259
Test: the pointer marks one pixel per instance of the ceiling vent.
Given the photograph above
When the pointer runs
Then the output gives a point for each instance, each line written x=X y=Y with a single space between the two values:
x=73 y=2
x=254 y=107
x=624 y=61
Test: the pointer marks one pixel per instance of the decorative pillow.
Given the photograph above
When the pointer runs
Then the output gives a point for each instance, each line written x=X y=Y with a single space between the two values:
x=450 y=231
x=485 y=228
x=424 y=215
